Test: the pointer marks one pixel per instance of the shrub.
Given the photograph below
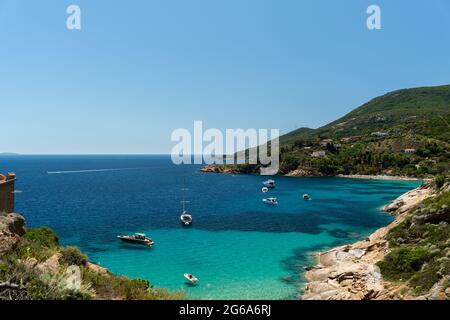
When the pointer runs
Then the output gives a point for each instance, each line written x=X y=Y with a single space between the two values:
x=109 y=286
x=289 y=163
x=423 y=281
x=402 y=263
x=73 y=256
x=439 y=181
x=43 y=236
x=36 y=286
x=327 y=170
x=116 y=287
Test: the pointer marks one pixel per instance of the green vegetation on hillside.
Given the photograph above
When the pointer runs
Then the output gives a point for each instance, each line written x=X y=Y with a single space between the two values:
x=420 y=247
x=405 y=132
x=27 y=268
x=422 y=110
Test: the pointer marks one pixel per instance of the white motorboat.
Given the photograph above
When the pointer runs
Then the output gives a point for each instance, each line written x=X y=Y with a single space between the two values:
x=269 y=184
x=271 y=201
x=264 y=189
x=191 y=278
x=306 y=197
x=137 y=238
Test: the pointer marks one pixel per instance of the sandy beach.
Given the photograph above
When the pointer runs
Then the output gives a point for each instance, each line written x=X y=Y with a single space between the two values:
x=378 y=177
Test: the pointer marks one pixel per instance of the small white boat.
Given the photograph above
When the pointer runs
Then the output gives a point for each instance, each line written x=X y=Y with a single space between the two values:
x=191 y=278
x=186 y=218
x=306 y=197
x=269 y=184
x=264 y=189
x=271 y=201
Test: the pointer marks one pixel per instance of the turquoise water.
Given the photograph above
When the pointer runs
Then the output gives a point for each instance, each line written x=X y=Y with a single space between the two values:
x=238 y=247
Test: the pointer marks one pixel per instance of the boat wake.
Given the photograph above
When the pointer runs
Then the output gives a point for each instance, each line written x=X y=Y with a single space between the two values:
x=87 y=171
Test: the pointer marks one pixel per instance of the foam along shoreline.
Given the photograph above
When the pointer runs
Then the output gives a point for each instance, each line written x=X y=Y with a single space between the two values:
x=349 y=272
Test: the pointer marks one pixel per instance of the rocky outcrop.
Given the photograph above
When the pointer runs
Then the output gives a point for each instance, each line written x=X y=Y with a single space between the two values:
x=409 y=200
x=49 y=266
x=304 y=172
x=12 y=227
x=13 y=223
x=346 y=273
x=438 y=292
x=96 y=268
x=349 y=272
x=217 y=168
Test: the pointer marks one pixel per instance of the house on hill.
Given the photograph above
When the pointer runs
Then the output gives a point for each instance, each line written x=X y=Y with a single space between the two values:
x=380 y=134
x=318 y=154
x=326 y=142
x=410 y=151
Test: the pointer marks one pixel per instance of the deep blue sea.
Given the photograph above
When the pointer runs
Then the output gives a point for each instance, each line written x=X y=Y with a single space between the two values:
x=238 y=247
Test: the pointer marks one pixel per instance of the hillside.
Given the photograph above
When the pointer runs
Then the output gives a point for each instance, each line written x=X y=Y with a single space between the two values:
x=405 y=132
x=423 y=107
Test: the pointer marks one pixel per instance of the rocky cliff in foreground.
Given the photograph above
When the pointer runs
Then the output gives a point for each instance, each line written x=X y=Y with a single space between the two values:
x=34 y=266
x=409 y=259
x=12 y=227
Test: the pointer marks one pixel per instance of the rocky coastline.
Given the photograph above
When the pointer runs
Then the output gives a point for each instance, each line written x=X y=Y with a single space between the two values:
x=378 y=177
x=304 y=172
x=217 y=168
x=350 y=272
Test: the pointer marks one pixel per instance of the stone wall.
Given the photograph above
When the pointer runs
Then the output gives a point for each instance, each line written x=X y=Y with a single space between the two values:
x=7 y=192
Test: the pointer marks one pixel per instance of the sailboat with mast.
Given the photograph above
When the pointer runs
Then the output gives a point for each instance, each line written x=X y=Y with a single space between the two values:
x=186 y=218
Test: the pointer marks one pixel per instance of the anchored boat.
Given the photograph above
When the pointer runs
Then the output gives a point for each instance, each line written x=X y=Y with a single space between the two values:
x=137 y=238
x=185 y=217
x=269 y=184
x=271 y=201
x=191 y=278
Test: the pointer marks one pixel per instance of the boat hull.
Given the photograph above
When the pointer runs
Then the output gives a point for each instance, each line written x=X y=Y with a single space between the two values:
x=137 y=242
x=192 y=280
x=270 y=203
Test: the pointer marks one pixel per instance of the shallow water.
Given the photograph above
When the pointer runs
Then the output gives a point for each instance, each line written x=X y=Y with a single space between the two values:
x=238 y=247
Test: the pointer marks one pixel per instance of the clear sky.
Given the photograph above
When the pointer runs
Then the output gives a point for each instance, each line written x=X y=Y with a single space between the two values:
x=137 y=70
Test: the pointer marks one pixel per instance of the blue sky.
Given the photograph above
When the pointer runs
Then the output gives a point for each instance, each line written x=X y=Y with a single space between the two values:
x=137 y=70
